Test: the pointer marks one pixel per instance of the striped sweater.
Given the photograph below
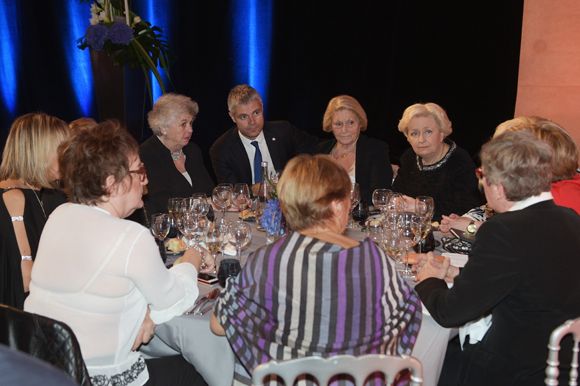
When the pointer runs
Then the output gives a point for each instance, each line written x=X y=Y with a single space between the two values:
x=302 y=296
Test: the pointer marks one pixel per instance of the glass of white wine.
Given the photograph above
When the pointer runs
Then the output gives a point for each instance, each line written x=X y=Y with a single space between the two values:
x=411 y=234
x=213 y=241
x=393 y=243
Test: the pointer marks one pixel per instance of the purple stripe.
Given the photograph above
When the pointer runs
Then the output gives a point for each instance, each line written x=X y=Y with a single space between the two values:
x=342 y=296
x=379 y=286
x=356 y=292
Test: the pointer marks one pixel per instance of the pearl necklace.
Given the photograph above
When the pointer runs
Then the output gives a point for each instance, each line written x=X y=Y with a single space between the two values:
x=177 y=154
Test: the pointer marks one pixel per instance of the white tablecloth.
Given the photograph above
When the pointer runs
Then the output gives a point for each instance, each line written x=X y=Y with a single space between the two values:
x=214 y=360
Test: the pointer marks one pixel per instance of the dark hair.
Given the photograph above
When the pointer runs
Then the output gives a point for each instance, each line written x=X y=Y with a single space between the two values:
x=92 y=155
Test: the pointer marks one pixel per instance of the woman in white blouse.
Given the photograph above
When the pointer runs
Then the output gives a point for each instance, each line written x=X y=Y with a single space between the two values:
x=103 y=275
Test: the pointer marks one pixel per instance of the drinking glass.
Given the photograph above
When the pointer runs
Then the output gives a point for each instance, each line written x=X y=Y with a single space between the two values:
x=394 y=211
x=393 y=244
x=222 y=196
x=424 y=224
x=160 y=224
x=239 y=234
x=184 y=219
x=354 y=200
x=381 y=198
x=213 y=241
x=198 y=204
x=424 y=206
x=241 y=198
x=361 y=212
x=197 y=227
x=223 y=225
x=228 y=268
x=275 y=176
x=411 y=234
x=375 y=233
x=173 y=208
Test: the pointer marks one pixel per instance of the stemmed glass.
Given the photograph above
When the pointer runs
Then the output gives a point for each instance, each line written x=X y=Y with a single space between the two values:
x=354 y=200
x=173 y=205
x=184 y=220
x=197 y=227
x=239 y=234
x=381 y=198
x=198 y=204
x=222 y=196
x=160 y=224
x=223 y=225
x=424 y=206
x=411 y=234
x=393 y=243
x=394 y=211
x=241 y=198
x=213 y=241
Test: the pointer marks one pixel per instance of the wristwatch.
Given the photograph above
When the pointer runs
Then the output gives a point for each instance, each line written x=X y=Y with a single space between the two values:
x=471 y=228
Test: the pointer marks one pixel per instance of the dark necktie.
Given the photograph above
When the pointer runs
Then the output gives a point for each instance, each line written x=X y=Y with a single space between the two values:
x=257 y=163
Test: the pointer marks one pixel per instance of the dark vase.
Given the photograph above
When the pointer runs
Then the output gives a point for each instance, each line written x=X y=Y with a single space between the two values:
x=109 y=82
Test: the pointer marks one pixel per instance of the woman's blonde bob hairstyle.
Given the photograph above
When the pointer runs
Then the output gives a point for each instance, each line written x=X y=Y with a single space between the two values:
x=565 y=159
x=429 y=110
x=31 y=148
x=344 y=102
x=307 y=188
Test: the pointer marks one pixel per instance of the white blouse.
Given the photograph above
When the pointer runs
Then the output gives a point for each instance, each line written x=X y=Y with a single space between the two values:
x=98 y=273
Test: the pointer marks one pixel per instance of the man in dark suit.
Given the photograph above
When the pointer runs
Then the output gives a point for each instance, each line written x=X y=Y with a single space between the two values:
x=237 y=154
x=523 y=269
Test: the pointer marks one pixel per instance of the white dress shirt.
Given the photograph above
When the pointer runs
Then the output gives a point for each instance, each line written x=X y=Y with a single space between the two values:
x=251 y=151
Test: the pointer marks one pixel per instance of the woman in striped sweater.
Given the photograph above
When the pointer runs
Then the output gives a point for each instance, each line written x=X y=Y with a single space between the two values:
x=316 y=292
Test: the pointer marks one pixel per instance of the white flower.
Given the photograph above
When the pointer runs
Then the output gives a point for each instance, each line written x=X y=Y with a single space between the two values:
x=94 y=20
x=95 y=8
x=137 y=19
x=103 y=17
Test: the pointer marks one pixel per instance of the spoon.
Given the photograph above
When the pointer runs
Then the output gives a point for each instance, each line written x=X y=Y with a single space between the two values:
x=209 y=297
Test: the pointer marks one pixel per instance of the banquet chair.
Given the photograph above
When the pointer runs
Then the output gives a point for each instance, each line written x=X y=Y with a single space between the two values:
x=43 y=338
x=552 y=371
x=323 y=369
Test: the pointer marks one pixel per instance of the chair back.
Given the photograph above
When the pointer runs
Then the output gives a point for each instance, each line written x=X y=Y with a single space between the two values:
x=323 y=369
x=552 y=371
x=43 y=338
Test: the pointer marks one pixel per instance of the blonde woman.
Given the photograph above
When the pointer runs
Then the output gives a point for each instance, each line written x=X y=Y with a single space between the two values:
x=29 y=164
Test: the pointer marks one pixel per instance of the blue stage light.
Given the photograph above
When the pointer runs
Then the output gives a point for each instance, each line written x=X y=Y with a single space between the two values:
x=79 y=61
x=9 y=54
x=252 y=35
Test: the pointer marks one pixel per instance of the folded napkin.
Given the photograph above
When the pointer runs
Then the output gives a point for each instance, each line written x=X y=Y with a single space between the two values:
x=230 y=250
x=457 y=259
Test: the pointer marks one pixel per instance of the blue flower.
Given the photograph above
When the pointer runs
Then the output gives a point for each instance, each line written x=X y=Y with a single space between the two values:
x=96 y=35
x=121 y=33
x=272 y=217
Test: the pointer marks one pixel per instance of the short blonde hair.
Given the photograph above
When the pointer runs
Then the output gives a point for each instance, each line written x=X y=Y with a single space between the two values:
x=242 y=95
x=520 y=162
x=565 y=157
x=81 y=124
x=169 y=107
x=510 y=124
x=31 y=148
x=344 y=102
x=429 y=110
x=307 y=188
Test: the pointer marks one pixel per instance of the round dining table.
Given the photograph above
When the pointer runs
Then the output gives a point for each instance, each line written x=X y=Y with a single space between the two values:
x=214 y=359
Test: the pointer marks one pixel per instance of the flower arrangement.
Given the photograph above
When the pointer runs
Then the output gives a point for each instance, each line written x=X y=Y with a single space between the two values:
x=134 y=41
x=272 y=217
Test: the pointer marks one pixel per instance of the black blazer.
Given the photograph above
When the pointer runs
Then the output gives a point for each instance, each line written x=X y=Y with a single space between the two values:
x=165 y=181
x=373 y=168
x=524 y=269
x=230 y=160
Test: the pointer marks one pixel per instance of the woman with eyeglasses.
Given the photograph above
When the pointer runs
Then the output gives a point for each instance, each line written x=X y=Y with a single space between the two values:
x=101 y=274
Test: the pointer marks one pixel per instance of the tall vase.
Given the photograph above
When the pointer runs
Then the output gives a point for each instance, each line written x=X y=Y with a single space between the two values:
x=109 y=82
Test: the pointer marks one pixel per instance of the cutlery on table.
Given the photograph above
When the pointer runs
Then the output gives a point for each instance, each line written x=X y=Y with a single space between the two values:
x=201 y=302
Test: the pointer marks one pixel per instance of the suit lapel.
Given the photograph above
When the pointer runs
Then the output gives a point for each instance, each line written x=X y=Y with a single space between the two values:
x=239 y=155
x=273 y=146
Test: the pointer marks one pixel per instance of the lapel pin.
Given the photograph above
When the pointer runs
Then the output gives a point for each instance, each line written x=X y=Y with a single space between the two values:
x=273 y=138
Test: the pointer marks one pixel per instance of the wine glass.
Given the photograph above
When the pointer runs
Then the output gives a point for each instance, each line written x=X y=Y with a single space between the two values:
x=411 y=234
x=239 y=234
x=394 y=211
x=213 y=241
x=173 y=208
x=424 y=206
x=381 y=198
x=393 y=244
x=222 y=196
x=223 y=225
x=241 y=197
x=275 y=176
x=197 y=227
x=361 y=212
x=198 y=204
x=354 y=200
x=183 y=222
x=160 y=224
x=424 y=224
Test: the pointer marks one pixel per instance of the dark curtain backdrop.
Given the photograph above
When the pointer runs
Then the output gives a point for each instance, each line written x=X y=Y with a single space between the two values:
x=387 y=54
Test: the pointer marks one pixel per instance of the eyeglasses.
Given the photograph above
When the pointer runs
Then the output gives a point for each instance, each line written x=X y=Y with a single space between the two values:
x=479 y=173
x=142 y=173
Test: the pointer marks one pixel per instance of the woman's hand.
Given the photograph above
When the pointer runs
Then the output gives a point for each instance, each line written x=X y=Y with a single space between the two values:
x=428 y=265
x=453 y=221
x=146 y=332
x=409 y=204
x=193 y=256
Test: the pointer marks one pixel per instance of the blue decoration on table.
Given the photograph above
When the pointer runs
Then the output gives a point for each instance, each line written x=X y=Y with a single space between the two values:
x=273 y=218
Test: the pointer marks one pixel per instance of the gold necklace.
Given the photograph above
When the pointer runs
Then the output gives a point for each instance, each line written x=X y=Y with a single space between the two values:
x=38 y=199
